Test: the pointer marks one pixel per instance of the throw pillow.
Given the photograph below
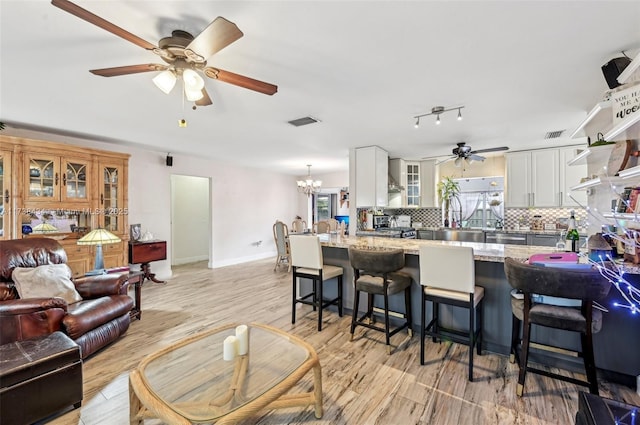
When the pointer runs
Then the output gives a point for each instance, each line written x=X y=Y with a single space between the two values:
x=51 y=280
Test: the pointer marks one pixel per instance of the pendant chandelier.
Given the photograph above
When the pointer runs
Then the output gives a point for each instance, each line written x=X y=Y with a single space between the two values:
x=309 y=186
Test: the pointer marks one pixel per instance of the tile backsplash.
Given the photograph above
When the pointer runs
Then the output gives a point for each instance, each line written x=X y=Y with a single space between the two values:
x=430 y=217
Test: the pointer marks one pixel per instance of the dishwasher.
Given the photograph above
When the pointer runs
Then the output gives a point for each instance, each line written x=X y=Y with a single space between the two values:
x=543 y=240
x=506 y=238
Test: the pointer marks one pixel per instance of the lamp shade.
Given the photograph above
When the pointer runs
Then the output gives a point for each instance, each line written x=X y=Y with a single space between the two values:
x=98 y=237
x=193 y=95
x=192 y=81
x=165 y=81
x=44 y=228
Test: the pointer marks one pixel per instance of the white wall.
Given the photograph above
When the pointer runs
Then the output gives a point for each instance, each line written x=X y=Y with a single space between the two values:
x=245 y=202
x=190 y=222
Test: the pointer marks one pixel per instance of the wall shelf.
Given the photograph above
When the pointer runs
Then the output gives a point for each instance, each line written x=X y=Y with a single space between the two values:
x=593 y=155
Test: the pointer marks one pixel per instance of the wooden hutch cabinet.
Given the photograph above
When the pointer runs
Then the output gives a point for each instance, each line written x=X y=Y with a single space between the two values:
x=75 y=189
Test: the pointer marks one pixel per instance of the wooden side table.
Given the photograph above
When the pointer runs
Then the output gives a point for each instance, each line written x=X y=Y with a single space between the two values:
x=145 y=252
x=136 y=278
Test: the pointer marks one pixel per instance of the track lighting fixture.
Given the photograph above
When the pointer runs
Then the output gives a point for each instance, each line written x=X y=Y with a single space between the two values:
x=437 y=111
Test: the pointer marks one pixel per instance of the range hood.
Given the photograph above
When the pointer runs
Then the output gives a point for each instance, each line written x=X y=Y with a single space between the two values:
x=394 y=187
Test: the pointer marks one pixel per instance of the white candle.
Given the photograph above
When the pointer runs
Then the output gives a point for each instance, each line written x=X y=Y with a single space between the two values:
x=242 y=333
x=230 y=348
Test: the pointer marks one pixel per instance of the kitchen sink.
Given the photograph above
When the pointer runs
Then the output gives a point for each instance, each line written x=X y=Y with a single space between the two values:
x=461 y=235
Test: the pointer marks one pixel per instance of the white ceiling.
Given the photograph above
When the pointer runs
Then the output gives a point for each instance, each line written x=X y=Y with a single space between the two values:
x=364 y=68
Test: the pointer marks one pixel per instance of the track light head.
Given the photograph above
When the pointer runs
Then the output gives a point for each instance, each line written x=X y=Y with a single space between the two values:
x=459 y=115
x=417 y=124
x=438 y=120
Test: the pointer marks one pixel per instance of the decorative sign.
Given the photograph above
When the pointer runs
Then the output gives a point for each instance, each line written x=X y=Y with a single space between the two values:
x=625 y=103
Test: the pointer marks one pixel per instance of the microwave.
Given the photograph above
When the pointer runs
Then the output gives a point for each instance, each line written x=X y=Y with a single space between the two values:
x=380 y=221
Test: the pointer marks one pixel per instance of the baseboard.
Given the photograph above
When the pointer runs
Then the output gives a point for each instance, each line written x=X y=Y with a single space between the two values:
x=240 y=260
x=188 y=260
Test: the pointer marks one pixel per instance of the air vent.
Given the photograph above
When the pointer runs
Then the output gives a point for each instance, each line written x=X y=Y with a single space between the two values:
x=303 y=121
x=554 y=134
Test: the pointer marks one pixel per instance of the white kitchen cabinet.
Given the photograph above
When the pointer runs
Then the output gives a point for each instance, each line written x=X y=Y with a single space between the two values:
x=518 y=179
x=372 y=170
x=541 y=178
x=428 y=184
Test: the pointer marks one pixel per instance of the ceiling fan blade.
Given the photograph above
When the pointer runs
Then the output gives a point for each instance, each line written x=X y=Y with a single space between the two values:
x=129 y=69
x=206 y=100
x=81 y=13
x=218 y=35
x=445 y=160
x=241 y=80
x=502 y=148
x=476 y=157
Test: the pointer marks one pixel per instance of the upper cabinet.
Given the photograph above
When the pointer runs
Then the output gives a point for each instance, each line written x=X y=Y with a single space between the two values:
x=404 y=184
x=371 y=175
x=54 y=178
x=428 y=184
x=541 y=178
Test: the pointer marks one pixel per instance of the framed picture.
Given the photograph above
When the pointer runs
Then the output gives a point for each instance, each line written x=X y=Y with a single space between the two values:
x=136 y=232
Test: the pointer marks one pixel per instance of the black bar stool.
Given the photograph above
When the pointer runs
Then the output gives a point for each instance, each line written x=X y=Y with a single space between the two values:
x=583 y=285
x=376 y=272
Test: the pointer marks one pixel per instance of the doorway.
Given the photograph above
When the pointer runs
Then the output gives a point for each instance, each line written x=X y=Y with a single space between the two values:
x=190 y=219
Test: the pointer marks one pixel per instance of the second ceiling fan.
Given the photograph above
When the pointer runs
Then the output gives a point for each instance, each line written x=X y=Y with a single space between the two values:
x=465 y=153
x=185 y=56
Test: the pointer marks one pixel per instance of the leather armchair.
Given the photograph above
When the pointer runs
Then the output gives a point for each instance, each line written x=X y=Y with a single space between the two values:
x=100 y=318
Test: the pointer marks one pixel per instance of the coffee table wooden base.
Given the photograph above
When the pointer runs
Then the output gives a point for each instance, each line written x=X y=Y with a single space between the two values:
x=144 y=404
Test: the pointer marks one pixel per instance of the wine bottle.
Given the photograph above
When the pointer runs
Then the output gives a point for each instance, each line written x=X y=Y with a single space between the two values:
x=572 y=233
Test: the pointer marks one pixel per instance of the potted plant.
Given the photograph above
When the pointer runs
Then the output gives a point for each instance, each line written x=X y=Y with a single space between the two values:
x=447 y=188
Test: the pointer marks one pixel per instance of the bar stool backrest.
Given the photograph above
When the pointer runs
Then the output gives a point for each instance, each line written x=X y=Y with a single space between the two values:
x=376 y=260
x=448 y=267
x=306 y=251
x=586 y=285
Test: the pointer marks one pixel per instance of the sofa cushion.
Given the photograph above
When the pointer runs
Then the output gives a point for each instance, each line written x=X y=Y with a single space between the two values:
x=47 y=281
x=86 y=315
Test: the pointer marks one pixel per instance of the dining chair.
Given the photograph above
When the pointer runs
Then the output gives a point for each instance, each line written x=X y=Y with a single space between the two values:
x=321 y=226
x=298 y=225
x=377 y=272
x=307 y=262
x=447 y=274
x=586 y=286
x=281 y=238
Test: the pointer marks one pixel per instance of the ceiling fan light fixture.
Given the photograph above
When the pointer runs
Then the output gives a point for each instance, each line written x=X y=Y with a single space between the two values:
x=192 y=81
x=193 y=95
x=457 y=162
x=165 y=81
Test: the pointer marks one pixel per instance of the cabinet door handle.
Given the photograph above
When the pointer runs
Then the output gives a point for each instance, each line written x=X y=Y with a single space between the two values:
x=64 y=179
x=101 y=198
x=6 y=196
x=56 y=181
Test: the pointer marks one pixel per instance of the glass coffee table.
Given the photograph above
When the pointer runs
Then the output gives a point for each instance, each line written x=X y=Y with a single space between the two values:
x=190 y=382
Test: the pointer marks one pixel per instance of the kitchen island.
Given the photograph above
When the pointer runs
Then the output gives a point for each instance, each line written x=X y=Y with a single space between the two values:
x=613 y=351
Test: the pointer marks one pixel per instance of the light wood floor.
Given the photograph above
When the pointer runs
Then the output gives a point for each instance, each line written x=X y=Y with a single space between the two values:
x=362 y=384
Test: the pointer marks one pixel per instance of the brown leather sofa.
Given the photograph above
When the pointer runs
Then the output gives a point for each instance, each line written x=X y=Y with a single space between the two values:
x=100 y=318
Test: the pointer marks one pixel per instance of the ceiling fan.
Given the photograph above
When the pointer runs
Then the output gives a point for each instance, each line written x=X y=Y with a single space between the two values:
x=185 y=56
x=465 y=153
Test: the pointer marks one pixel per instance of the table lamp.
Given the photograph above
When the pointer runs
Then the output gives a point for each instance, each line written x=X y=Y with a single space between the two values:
x=44 y=228
x=98 y=237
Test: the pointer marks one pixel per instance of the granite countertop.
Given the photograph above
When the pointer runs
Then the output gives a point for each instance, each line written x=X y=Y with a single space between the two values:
x=482 y=251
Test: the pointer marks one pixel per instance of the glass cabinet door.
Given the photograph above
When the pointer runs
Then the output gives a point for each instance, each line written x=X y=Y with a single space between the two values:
x=74 y=180
x=43 y=178
x=111 y=198
x=5 y=193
